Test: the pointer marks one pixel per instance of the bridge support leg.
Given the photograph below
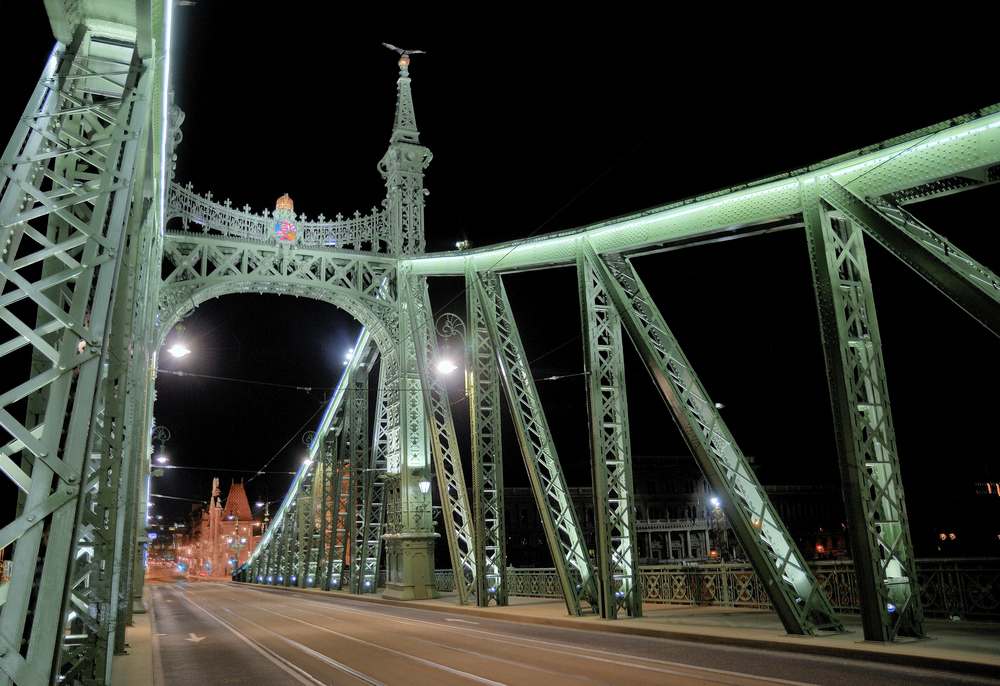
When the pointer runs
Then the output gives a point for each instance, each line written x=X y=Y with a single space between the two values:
x=866 y=442
x=409 y=537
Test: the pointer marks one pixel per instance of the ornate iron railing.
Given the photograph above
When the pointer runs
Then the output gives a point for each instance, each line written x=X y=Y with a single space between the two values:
x=965 y=588
x=360 y=233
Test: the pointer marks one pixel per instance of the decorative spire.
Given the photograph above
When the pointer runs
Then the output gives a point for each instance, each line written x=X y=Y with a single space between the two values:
x=402 y=167
x=405 y=129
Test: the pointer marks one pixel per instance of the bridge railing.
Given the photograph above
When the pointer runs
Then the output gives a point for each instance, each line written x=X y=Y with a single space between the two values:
x=949 y=587
x=360 y=233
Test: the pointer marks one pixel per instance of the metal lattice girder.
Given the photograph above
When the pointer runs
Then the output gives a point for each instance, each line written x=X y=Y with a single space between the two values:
x=562 y=530
x=794 y=591
x=287 y=548
x=358 y=447
x=206 y=266
x=447 y=460
x=483 y=389
x=971 y=285
x=866 y=441
x=614 y=497
x=374 y=514
x=66 y=191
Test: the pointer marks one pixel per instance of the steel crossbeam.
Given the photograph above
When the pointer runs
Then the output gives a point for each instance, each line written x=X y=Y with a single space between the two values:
x=866 y=441
x=614 y=497
x=970 y=284
x=483 y=389
x=794 y=591
x=458 y=521
x=562 y=529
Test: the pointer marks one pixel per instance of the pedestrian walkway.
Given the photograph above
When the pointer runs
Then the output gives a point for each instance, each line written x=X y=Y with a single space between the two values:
x=962 y=647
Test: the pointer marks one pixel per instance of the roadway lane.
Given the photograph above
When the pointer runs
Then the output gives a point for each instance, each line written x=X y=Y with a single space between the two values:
x=289 y=638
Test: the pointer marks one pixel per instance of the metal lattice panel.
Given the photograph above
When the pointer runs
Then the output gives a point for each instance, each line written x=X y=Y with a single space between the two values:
x=66 y=191
x=617 y=553
x=796 y=595
x=368 y=233
x=555 y=506
x=869 y=463
x=483 y=388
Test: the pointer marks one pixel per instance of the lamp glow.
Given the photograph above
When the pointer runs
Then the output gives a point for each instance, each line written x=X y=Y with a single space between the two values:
x=178 y=350
x=446 y=366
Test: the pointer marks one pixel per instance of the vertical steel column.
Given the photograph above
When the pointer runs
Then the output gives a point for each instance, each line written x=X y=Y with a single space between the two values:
x=866 y=441
x=375 y=497
x=457 y=517
x=797 y=597
x=326 y=512
x=342 y=526
x=66 y=190
x=483 y=389
x=357 y=407
x=410 y=547
x=562 y=530
x=611 y=449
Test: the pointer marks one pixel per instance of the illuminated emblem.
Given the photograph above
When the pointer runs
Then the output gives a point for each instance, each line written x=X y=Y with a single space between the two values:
x=284 y=226
x=284 y=231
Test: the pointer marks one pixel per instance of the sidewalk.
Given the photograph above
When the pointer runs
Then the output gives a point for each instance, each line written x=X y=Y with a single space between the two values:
x=962 y=647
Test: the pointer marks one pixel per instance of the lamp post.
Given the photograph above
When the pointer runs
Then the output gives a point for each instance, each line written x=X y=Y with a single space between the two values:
x=448 y=326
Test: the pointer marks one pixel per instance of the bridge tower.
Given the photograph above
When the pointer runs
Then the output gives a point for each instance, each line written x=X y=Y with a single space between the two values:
x=409 y=537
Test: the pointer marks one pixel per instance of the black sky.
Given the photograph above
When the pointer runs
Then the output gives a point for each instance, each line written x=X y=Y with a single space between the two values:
x=538 y=125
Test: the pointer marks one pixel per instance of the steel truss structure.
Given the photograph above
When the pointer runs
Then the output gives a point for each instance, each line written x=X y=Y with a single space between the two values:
x=84 y=305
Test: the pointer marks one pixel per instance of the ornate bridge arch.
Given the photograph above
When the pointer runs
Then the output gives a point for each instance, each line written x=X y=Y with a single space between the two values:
x=198 y=267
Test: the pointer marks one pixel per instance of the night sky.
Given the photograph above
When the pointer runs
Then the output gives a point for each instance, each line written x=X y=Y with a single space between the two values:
x=542 y=126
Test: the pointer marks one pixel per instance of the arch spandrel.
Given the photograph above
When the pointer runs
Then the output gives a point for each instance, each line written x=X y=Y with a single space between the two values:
x=200 y=267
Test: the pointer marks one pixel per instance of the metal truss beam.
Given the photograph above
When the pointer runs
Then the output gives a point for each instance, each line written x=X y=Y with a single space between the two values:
x=797 y=597
x=961 y=148
x=969 y=284
x=67 y=186
x=611 y=449
x=483 y=388
x=458 y=521
x=310 y=538
x=866 y=442
x=562 y=530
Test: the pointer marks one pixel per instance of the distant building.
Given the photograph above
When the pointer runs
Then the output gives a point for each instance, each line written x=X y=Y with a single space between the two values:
x=676 y=520
x=220 y=537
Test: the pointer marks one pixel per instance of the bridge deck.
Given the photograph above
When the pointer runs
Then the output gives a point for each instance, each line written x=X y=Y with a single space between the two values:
x=957 y=647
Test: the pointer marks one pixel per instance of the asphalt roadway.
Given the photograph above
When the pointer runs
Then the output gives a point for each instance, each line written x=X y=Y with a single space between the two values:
x=224 y=633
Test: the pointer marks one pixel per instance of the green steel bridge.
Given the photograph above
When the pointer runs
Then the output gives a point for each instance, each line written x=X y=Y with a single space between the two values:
x=93 y=280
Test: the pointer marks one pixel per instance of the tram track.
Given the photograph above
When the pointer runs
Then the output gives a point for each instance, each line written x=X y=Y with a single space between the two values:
x=578 y=665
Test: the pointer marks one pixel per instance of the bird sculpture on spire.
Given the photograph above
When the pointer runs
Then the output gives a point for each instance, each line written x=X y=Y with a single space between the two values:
x=404 y=55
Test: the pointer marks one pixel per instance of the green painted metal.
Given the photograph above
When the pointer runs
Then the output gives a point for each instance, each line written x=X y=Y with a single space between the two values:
x=562 y=530
x=866 y=441
x=81 y=254
x=794 y=591
x=483 y=389
x=67 y=183
x=457 y=515
x=970 y=284
x=611 y=449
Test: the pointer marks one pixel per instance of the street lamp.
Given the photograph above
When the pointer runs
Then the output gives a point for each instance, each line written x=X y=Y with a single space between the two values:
x=448 y=326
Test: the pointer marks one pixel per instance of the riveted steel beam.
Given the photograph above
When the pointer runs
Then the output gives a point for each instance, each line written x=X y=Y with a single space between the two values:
x=611 y=450
x=483 y=388
x=968 y=283
x=866 y=441
x=458 y=521
x=795 y=593
x=562 y=530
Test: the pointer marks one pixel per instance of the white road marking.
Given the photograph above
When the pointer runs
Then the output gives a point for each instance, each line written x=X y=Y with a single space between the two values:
x=195 y=638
